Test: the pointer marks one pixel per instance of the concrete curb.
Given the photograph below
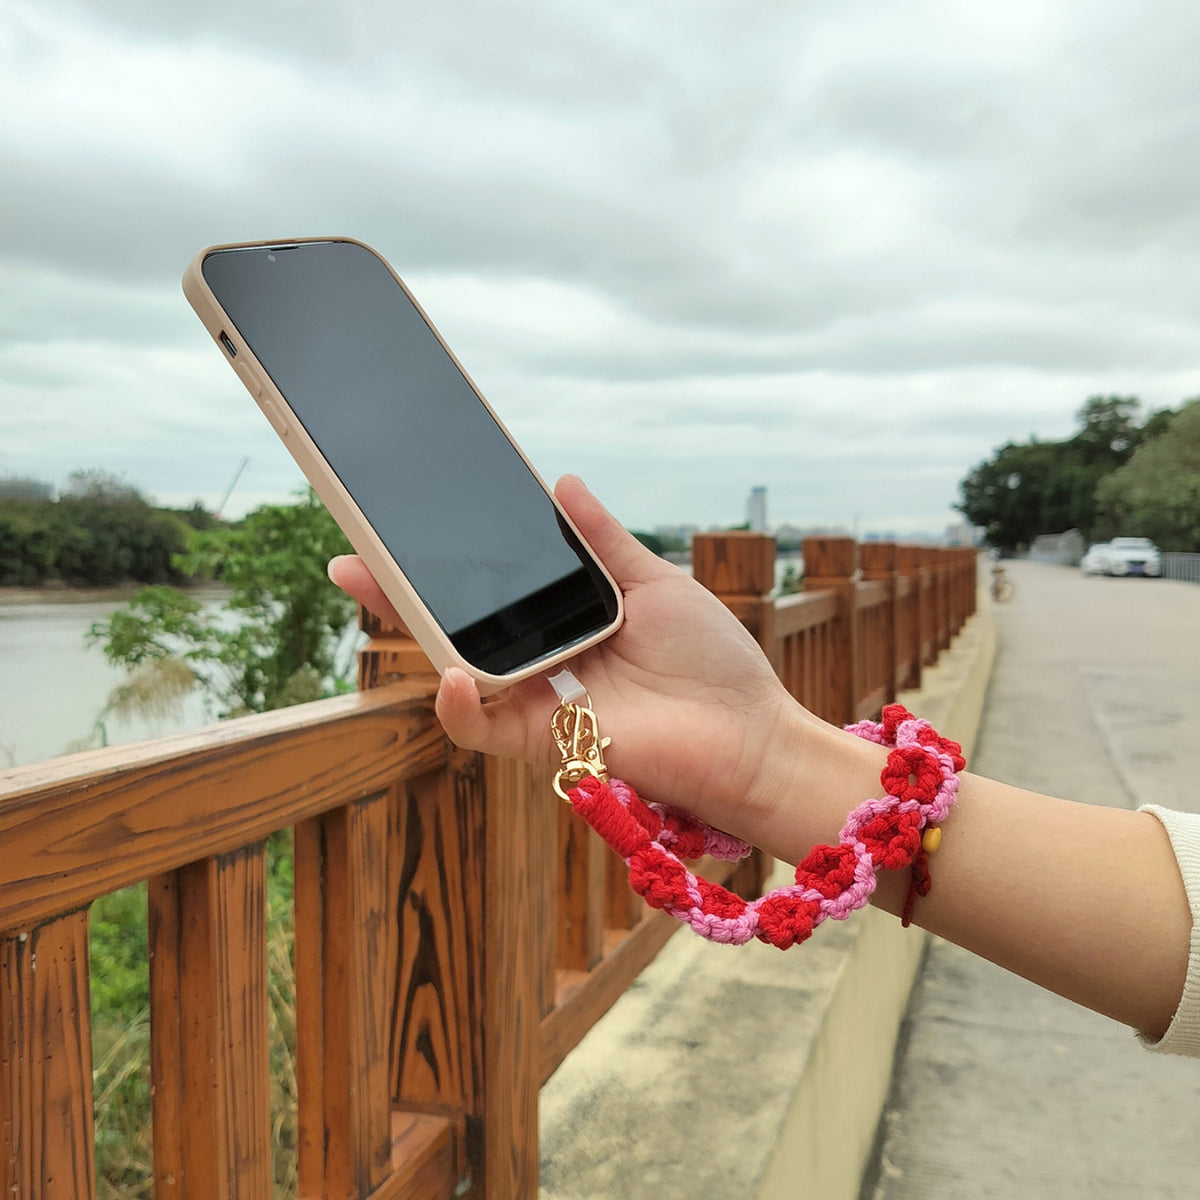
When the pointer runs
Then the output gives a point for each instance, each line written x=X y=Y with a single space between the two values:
x=732 y=1074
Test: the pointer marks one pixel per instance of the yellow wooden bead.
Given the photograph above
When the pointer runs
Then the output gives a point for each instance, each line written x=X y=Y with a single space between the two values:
x=931 y=839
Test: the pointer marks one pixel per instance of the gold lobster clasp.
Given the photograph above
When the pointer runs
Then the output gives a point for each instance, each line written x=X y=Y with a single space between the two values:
x=577 y=733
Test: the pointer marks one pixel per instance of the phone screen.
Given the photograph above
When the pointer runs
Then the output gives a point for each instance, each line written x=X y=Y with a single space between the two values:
x=403 y=429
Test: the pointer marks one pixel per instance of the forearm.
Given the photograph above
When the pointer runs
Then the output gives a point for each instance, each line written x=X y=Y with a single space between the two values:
x=1084 y=900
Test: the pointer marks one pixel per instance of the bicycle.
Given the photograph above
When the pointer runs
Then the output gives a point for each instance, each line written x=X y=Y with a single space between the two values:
x=1003 y=588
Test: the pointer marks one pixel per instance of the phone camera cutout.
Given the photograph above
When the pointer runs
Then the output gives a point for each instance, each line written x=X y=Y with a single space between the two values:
x=227 y=342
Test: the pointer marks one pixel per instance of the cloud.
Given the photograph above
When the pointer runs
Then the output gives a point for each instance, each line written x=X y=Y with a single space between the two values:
x=841 y=250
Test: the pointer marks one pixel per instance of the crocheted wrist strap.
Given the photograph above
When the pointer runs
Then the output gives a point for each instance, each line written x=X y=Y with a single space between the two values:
x=899 y=830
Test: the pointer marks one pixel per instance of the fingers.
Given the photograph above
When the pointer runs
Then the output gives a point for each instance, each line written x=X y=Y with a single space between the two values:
x=350 y=573
x=460 y=710
x=628 y=560
x=502 y=727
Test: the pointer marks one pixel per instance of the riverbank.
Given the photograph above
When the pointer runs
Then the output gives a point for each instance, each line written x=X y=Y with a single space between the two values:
x=61 y=593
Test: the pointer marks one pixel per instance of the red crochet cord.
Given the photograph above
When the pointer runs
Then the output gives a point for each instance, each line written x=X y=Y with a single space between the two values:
x=920 y=781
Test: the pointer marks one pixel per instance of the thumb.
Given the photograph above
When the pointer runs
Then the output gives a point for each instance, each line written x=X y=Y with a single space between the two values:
x=628 y=560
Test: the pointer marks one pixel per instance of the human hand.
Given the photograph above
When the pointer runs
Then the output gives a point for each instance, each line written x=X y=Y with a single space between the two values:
x=697 y=716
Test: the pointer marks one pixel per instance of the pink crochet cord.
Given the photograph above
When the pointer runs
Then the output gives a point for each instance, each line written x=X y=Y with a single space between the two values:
x=920 y=781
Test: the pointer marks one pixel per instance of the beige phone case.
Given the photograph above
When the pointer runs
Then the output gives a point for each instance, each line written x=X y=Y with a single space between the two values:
x=417 y=618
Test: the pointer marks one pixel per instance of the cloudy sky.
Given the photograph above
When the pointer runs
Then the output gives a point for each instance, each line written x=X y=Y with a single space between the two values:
x=840 y=249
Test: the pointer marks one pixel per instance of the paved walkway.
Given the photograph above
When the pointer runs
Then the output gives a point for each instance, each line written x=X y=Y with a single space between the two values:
x=1004 y=1090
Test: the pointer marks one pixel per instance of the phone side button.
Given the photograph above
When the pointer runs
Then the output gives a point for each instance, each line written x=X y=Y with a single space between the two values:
x=250 y=379
x=277 y=419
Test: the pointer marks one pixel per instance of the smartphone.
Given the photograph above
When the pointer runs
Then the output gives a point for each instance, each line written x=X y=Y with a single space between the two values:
x=484 y=568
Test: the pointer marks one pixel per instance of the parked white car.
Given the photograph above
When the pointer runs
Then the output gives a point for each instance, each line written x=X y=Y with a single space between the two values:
x=1123 y=556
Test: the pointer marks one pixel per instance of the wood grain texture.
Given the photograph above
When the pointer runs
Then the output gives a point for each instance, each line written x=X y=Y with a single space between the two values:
x=208 y=1030
x=46 y=1119
x=879 y=563
x=342 y=961
x=76 y=828
x=909 y=623
x=739 y=568
x=583 y=866
x=873 y=659
x=423 y=1159
x=546 y=811
x=436 y=858
x=308 y=957
x=737 y=563
x=801 y=611
x=584 y=997
x=932 y=601
x=515 y=921
x=829 y=566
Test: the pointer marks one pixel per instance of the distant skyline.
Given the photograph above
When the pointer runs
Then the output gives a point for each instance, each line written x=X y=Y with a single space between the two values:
x=842 y=251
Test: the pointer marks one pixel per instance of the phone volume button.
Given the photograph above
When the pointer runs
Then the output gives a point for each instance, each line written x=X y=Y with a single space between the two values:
x=253 y=383
x=250 y=379
x=277 y=419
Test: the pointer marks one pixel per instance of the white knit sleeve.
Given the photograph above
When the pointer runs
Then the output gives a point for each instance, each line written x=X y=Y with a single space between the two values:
x=1183 y=1035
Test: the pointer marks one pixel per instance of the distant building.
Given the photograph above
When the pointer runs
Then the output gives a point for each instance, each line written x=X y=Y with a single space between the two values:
x=789 y=535
x=963 y=534
x=15 y=488
x=756 y=510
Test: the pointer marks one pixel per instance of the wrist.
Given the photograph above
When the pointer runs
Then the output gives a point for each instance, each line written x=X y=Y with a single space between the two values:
x=814 y=776
x=895 y=831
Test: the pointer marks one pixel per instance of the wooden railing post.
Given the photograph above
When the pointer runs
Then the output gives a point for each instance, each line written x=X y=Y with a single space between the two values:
x=208 y=1031
x=738 y=567
x=46 y=1147
x=342 y=1019
x=391 y=654
x=879 y=562
x=908 y=584
x=970 y=563
x=830 y=564
x=928 y=607
x=583 y=894
x=472 y=852
x=942 y=556
x=958 y=592
x=518 y=919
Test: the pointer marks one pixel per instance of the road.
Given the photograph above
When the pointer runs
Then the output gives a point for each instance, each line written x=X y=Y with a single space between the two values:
x=1002 y=1090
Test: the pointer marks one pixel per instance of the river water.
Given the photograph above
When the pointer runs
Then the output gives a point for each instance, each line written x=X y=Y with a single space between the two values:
x=53 y=687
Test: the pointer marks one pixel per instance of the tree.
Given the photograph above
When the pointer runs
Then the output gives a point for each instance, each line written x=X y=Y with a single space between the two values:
x=101 y=532
x=97 y=486
x=1109 y=429
x=660 y=543
x=275 y=643
x=1157 y=493
x=1008 y=494
x=1049 y=487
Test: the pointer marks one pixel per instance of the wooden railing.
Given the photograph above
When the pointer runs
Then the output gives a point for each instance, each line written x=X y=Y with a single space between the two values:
x=456 y=930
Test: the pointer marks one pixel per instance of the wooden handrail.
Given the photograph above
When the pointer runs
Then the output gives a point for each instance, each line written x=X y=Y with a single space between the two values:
x=75 y=828
x=456 y=930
